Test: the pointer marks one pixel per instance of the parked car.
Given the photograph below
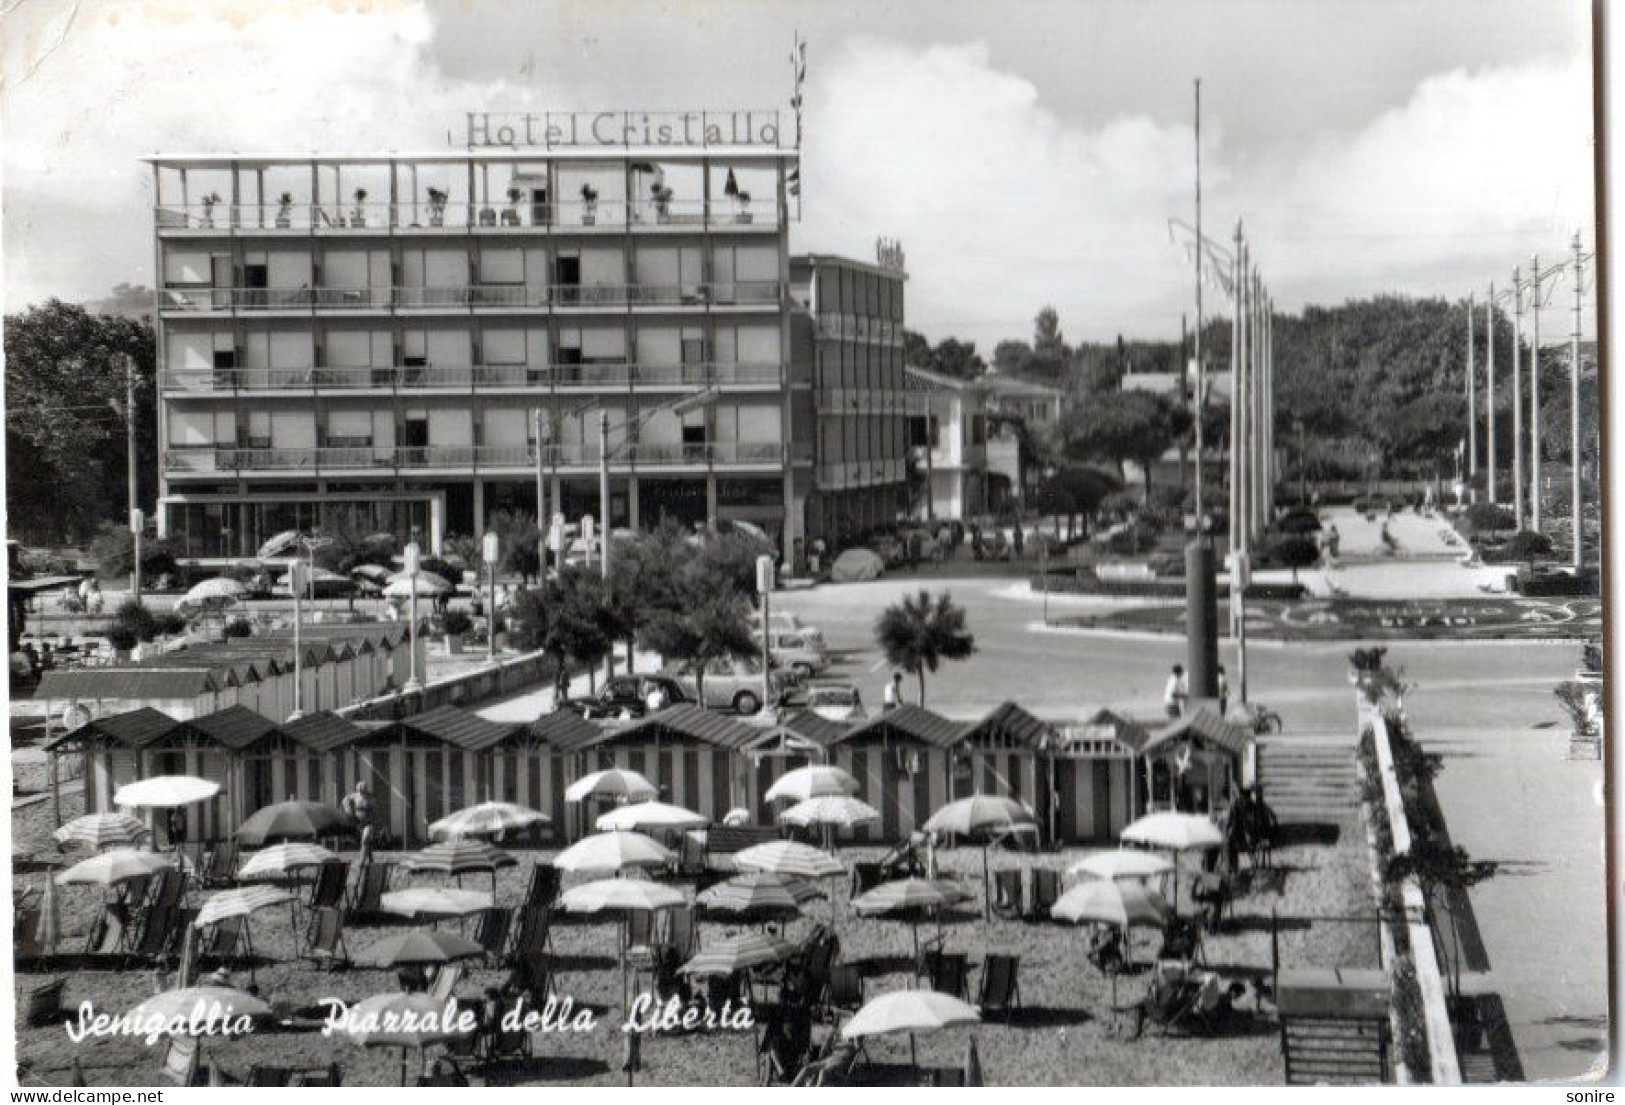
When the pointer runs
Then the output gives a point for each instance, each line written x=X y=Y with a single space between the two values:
x=833 y=699
x=798 y=652
x=782 y=621
x=734 y=684
x=627 y=695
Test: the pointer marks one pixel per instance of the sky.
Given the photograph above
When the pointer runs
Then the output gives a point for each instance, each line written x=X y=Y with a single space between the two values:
x=1024 y=153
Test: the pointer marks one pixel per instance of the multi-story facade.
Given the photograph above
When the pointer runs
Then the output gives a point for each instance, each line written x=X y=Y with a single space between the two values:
x=950 y=444
x=408 y=343
x=848 y=332
x=1016 y=409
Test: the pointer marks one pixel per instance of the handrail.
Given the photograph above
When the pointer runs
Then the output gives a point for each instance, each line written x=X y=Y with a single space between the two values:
x=374 y=216
x=234 y=458
x=746 y=293
x=206 y=381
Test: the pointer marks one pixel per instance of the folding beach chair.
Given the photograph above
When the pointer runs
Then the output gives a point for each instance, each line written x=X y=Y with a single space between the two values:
x=324 y=941
x=844 y=994
x=170 y=890
x=445 y=982
x=947 y=972
x=367 y=900
x=26 y=944
x=543 y=890
x=223 y=939
x=866 y=876
x=107 y=933
x=492 y=933
x=1007 y=894
x=530 y=978
x=533 y=935
x=43 y=1005
x=999 y=990
x=158 y=934
x=1046 y=892
x=332 y=880
x=183 y=1061
x=221 y=868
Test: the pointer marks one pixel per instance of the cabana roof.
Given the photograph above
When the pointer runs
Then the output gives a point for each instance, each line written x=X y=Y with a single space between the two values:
x=323 y=731
x=1203 y=725
x=135 y=729
x=1109 y=725
x=449 y=725
x=236 y=727
x=913 y=723
x=564 y=730
x=1010 y=723
x=814 y=727
x=128 y=683
x=686 y=721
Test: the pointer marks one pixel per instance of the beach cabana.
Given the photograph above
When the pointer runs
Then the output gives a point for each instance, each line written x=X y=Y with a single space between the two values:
x=1095 y=768
x=796 y=740
x=696 y=757
x=901 y=761
x=1195 y=764
x=120 y=748
x=1007 y=753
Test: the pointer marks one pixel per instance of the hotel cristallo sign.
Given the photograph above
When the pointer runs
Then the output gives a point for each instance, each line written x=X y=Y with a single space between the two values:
x=559 y=129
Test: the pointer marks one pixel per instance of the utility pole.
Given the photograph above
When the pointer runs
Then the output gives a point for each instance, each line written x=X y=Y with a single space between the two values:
x=1235 y=409
x=1576 y=515
x=130 y=463
x=1201 y=380
x=1534 y=397
x=543 y=440
x=1517 y=399
x=1489 y=390
x=603 y=495
x=1244 y=465
x=1472 y=411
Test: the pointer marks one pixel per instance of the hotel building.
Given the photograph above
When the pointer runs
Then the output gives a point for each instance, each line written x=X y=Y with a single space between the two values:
x=409 y=343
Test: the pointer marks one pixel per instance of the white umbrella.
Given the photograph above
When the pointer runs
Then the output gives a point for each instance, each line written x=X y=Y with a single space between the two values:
x=282 y=543
x=617 y=895
x=280 y=860
x=615 y=782
x=99 y=830
x=374 y=572
x=423 y=901
x=487 y=818
x=1174 y=832
x=1109 y=902
x=812 y=781
x=400 y=585
x=984 y=816
x=1124 y=863
x=166 y=791
x=789 y=858
x=840 y=811
x=115 y=866
x=651 y=815
x=909 y=1011
x=220 y=589
x=200 y=1003
x=613 y=851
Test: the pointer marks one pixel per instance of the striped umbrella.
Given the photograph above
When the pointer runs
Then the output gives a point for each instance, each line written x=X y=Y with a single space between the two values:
x=112 y=867
x=615 y=782
x=738 y=953
x=791 y=858
x=239 y=902
x=421 y=948
x=49 y=930
x=281 y=860
x=652 y=815
x=200 y=1003
x=761 y=896
x=909 y=899
x=460 y=856
x=985 y=817
x=837 y=811
x=292 y=821
x=166 y=791
x=813 y=781
x=613 y=852
x=486 y=819
x=103 y=830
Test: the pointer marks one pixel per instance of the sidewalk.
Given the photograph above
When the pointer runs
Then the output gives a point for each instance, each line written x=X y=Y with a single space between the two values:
x=527 y=706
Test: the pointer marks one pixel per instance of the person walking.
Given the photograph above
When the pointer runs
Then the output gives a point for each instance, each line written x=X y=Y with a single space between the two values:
x=892 y=697
x=1175 y=693
x=655 y=700
x=1018 y=540
x=357 y=806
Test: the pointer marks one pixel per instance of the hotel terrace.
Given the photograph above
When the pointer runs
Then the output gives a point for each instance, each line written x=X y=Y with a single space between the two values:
x=408 y=343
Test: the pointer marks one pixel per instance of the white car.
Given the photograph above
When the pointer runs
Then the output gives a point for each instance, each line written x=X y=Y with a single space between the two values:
x=799 y=652
x=785 y=622
x=729 y=684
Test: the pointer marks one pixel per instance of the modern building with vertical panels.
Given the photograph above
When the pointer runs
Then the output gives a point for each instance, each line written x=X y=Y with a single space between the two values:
x=363 y=342
x=847 y=345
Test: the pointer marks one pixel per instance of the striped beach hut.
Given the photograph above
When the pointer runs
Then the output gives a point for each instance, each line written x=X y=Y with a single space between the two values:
x=532 y=766
x=1196 y=763
x=795 y=740
x=696 y=757
x=1096 y=770
x=901 y=761
x=1007 y=753
x=426 y=766
x=117 y=749
x=180 y=689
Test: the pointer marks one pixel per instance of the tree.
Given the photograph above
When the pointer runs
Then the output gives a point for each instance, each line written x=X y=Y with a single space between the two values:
x=66 y=427
x=710 y=625
x=112 y=550
x=566 y=618
x=921 y=631
x=1009 y=357
x=1296 y=551
x=916 y=349
x=950 y=357
x=643 y=580
x=1526 y=545
x=519 y=541
x=1047 y=339
x=1127 y=425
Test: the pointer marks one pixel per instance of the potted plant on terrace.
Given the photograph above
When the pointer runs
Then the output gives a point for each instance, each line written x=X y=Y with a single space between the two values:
x=437 y=206
x=510 y=216
x=662 y=194
x=208 y=207
x=358 y=217
x=284 y=211
x=456 y=623
x=589 y=205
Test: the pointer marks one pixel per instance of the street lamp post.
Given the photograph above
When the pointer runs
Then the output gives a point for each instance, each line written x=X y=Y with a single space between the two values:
x=491 y=548
x=296 y=574
x=138 y=522
x=412 y=554
x=603 y=494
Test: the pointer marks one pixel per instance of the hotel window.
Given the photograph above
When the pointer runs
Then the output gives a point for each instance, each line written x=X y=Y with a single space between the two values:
x=259 y=430
x=502 y=273
x=349 y=429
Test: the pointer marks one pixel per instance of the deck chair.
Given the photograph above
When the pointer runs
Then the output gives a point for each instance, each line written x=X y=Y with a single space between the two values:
x=544 y=886
x=133 y=892
x=680 y=932
x=531 y=979
x=1007 y=894
x=26 y=944
x=107 y=933
x=445 y=982
x=999 y=989
x=834 y=1069
x=1181 y=941
x=183 y=1061
x=844 y=994
x=1046 y=892
x=330 y=1075
x=866 y=876
x=367 y=900
x=43 y=1005
x=492 y=933
x=324 y=941
x=170 y=891
x=223 y=939
x=158 y=934
x=221 y=867
x=332 y=879
x=947 y=972
x=269 y=1076
x=640 y=940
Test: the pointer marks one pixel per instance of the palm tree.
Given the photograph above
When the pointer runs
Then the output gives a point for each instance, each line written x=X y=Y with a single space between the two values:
x=920 y=632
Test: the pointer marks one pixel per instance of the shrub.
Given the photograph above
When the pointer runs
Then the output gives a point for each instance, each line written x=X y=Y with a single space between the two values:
x=1131 y=541
x=135 y=617
x=1299 y=522
x=456 y=623
x=171 y=624
x=445 y=569
x=121 y=636
x=239 y=627
x=1526 y=545
x=1489 y=516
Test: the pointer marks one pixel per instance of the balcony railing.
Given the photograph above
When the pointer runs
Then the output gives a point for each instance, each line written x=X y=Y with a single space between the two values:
x=770 y=454
x=459 y=297
x=383 y=217
x=211 y=381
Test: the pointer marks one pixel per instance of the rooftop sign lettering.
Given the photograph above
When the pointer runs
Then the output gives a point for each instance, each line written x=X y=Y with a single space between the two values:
x=555 y=129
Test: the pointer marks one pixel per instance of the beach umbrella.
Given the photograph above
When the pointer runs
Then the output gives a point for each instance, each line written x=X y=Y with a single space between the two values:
x=737 y=953
x=377 y=573
x=217 y=591
x=620 y=895
x=166 y=792
x=103 y=830
x=789 y=858
x=421 y=948
x=487 y=818
x=909 y=899
x=985 y=817
x=812 y=781
x=1124 y=863
x=182 y=1005
x=115 y=866
x=281 y=860
x=292 y=821
x=613 y=851
x=615 y=782
x=836 y=810
x=400 y=585
x=436 y=902
x=460 y=856
x=1125 y=904
x=651 y=815
x=280 y=545
x=758 y=895
x=406 y=1021
x=1174 y=832
x=239 y=902
x=909 y=1011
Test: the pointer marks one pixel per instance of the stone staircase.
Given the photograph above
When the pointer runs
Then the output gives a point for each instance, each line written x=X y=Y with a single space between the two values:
x=1309 y=780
